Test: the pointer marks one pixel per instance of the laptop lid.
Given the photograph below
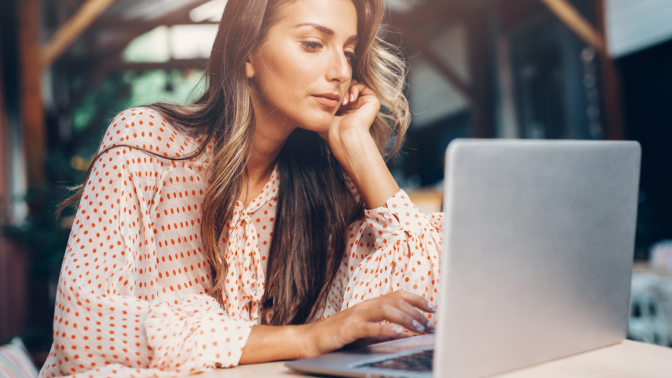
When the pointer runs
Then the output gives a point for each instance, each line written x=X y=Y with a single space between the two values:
x=538 y=249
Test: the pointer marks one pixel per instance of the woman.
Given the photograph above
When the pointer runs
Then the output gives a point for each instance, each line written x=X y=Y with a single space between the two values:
x=233 y=230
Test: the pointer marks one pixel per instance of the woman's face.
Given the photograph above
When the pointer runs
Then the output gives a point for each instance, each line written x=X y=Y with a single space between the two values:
x=303 y=70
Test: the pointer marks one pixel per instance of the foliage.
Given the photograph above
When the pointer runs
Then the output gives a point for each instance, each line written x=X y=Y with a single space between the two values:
x=91 y=115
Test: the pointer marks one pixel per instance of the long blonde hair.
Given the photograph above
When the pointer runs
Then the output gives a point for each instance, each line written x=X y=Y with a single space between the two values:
x=315 y=206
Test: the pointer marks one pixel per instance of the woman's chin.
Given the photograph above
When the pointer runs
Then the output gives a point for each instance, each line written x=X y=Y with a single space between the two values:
x=318 y=124
x=318 y=130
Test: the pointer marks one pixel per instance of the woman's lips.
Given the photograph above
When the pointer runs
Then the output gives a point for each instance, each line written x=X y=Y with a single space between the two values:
x=326 y=101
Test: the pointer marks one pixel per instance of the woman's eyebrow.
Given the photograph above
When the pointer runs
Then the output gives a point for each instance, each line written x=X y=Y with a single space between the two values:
x=324 y=30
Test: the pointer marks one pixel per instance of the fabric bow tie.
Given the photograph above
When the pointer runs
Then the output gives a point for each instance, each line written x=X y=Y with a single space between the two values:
x=244 y=284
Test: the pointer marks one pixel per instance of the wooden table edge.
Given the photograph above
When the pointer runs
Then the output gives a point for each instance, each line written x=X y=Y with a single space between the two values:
x=625 y=359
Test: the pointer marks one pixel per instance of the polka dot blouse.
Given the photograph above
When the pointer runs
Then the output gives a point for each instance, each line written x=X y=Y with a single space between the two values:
x=132 y=297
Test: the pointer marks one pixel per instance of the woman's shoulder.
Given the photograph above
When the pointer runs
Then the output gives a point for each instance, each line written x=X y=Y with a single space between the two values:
x=146 y=129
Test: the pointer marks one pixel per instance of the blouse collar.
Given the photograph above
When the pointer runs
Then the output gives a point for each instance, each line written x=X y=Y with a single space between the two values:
x=269 y=193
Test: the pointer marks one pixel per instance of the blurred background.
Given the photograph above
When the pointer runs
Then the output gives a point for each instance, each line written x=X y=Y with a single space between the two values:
x=545 y=69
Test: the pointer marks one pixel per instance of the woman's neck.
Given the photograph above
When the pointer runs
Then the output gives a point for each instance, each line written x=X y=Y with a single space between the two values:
x=270 y=133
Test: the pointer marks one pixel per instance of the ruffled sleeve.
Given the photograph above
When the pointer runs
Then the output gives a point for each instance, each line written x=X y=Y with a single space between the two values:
x=112 y=316
x=392 y=247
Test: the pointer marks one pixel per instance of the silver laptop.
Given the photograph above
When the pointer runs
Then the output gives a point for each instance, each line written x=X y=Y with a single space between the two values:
x=536 y=265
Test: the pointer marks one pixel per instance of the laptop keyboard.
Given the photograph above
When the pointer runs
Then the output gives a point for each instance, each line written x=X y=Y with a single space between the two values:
x=418 y=362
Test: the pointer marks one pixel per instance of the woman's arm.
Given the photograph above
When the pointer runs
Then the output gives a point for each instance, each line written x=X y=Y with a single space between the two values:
x=112 y=317
x=270 y=343
x=395 y=247
x=362 y=161
x=353 y=146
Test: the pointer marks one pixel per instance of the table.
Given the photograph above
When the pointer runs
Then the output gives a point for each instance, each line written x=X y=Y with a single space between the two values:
x=627 y=359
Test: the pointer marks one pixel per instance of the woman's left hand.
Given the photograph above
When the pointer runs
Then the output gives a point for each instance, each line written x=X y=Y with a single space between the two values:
x=355 y=149
x=354 y=118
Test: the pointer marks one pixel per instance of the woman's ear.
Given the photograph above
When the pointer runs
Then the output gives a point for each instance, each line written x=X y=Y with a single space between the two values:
x=249 y=67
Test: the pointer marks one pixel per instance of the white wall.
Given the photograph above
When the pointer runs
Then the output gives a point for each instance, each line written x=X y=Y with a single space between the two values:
x=633 y=25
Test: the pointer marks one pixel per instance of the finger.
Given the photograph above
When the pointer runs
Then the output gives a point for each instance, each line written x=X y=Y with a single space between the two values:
x=415 y=300
x=355 y=91
x=422 y=324
x=375 y=330
x=392 y=314
x=346 y=96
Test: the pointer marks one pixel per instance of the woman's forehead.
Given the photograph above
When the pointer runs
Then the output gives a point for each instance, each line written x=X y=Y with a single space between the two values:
x=339 y=16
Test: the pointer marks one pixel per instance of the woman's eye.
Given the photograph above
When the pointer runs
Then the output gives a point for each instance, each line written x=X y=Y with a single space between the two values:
x=350 y=55
x=311 y=45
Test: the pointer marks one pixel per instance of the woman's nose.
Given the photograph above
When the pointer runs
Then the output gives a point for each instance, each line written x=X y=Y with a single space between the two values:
x=340 y=68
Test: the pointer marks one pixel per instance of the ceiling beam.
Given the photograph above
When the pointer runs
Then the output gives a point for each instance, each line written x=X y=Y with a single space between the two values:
x=566 y=12
x=113 y=25
x=173 y=64
x=176 y=17
x=68 y=33
x=121 y=32
x=431 y=12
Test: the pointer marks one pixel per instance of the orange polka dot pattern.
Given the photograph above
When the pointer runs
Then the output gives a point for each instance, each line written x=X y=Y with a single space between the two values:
x=394 y=247
x=132 y=298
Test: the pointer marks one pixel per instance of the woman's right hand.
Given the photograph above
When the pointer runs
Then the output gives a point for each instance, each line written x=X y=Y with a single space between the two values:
x=361 y=321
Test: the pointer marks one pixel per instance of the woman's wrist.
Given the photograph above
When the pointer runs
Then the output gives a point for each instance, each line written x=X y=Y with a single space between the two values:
x=276 y=343
x=351 y=145
x=358 y=153
x=306 y=335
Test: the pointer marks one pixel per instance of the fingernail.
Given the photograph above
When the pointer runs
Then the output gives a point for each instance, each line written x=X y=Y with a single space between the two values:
x=430 y=327
x=345 y=100
x=418 y=326
x=396 y=330
x=431 y=306
x=352 y=97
